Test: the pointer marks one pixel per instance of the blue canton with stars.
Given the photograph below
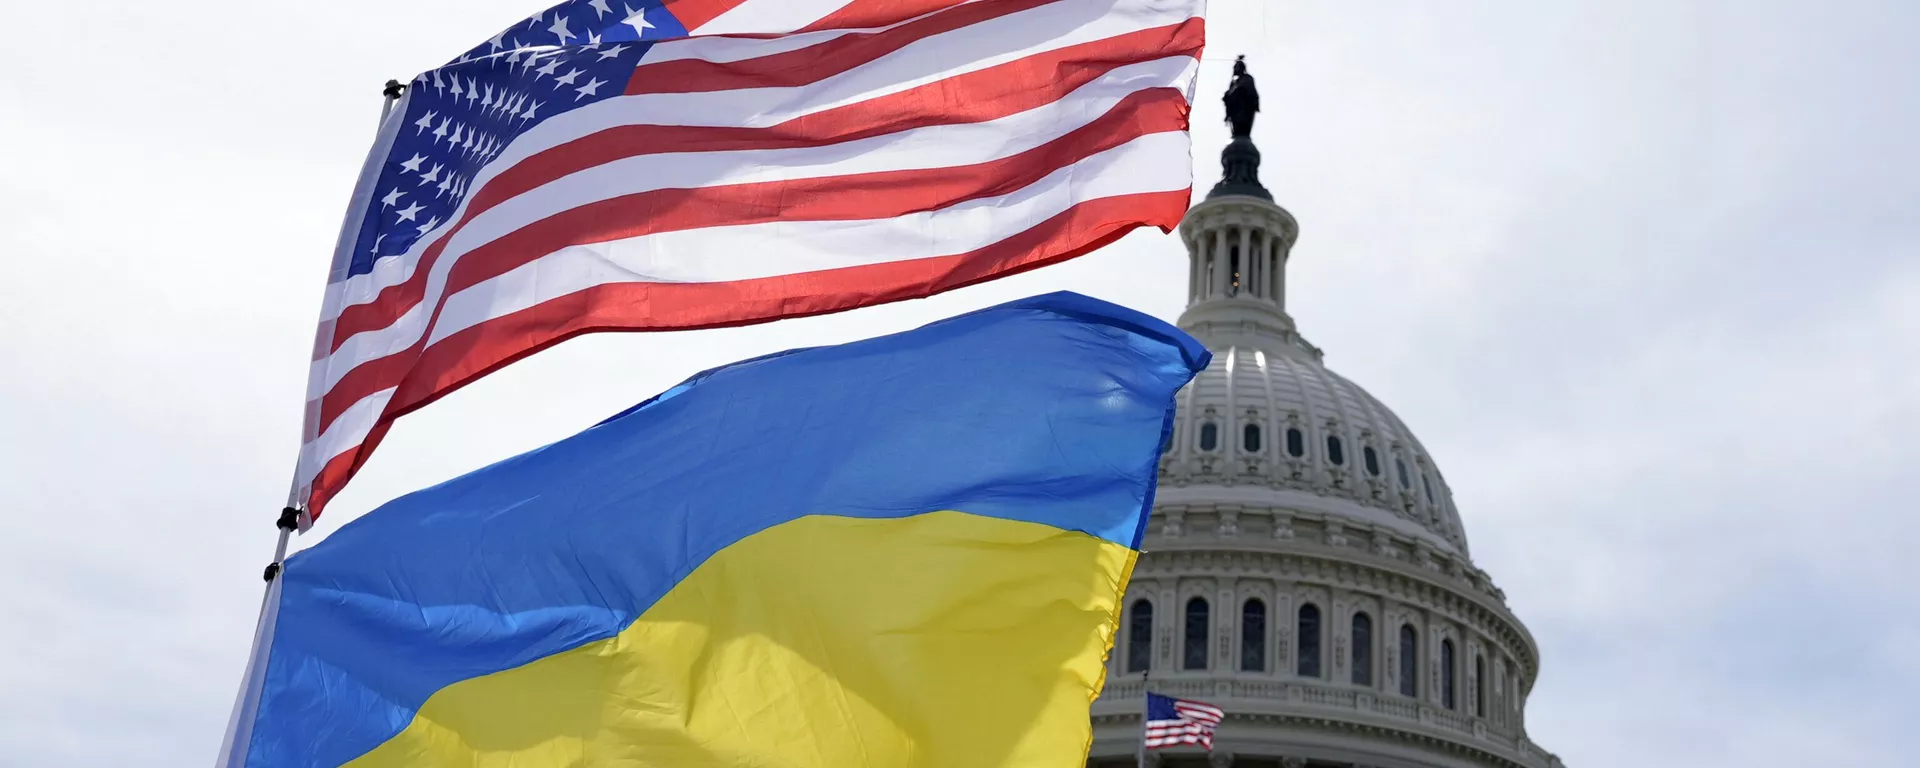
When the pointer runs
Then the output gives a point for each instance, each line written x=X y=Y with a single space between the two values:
x=462 y=115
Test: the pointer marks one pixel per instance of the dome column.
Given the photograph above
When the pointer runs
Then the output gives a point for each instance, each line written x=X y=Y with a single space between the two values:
x=1247 y=262
x=1219 y=266
x=1238 y=241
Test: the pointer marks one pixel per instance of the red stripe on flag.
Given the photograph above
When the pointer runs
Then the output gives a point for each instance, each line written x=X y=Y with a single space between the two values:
x=863 y=14
x=979 y=96
x=475 y=352
x=693 y=13
x=814 y=63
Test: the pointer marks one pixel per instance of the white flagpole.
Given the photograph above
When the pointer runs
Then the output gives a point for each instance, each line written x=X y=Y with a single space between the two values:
x=234 y=746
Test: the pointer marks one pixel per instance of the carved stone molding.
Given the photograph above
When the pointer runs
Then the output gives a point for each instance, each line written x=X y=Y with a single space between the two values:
x=1336 y=533
x=1476 y=745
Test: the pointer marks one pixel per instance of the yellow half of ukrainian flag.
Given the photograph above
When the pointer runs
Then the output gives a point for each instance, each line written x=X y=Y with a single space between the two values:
x=907 y=551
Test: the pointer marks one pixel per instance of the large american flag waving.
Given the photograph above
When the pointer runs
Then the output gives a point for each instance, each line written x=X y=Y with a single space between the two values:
x=610 y=165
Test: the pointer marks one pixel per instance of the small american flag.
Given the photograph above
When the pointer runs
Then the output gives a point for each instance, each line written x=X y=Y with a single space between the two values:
x=1173 y=721
x=632 y=165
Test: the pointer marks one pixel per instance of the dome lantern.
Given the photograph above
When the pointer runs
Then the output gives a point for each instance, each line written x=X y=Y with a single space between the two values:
x=1238 y=241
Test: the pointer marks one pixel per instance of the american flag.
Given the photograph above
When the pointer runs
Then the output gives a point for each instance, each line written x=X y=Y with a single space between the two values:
x=1173 y=721
x=612 y=165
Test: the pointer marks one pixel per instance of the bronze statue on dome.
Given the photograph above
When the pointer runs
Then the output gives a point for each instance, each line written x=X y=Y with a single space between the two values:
x=1243 y=100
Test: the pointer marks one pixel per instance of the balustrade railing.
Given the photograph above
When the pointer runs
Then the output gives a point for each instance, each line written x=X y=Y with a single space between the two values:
x=1326 y=697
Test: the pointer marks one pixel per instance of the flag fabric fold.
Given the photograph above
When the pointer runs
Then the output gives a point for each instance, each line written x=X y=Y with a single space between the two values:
x=613 y=166
x=904 y=551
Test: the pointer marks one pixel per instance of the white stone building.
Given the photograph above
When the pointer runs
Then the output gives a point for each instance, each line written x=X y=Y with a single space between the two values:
x=1305 y=567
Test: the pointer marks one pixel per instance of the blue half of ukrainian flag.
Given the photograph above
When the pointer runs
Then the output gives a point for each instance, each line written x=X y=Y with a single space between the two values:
x=905 y=551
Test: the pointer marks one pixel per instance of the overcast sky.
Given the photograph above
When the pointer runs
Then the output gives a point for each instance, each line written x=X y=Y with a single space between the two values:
x=1644 y=276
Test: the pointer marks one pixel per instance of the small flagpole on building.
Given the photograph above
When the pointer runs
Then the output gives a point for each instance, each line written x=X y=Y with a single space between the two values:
x=1145 y=709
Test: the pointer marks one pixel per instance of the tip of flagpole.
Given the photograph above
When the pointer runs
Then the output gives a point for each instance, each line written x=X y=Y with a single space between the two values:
x=393 y=89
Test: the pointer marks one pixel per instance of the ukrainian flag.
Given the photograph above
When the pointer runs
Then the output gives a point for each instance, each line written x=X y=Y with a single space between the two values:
x=906 y=551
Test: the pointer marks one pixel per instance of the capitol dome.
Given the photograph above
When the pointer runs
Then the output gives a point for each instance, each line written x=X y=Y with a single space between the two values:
x=1261 y=416
x=1305 y=568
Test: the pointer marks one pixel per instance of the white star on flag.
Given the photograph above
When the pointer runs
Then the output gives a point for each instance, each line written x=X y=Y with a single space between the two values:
x=560 y=30
x=637 y=20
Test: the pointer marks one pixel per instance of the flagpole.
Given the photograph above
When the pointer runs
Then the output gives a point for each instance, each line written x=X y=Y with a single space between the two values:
x=289 y=520
x=1145 y=708
x=233 y=748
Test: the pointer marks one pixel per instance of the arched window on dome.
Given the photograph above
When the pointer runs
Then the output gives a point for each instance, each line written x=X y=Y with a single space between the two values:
x=1427 y=483
x=1296 y=443
x=1372 y=458
x=1250 y=438
x=1253 y=636
x=1401 y=465
x=1309 y=661
x=1479 y=685
x=1209 y=436
x=1362 y=649
x=1336 y=453
x=1409 y=661
x=1195 y=651
x=1446 y=674
x=1140 y=637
